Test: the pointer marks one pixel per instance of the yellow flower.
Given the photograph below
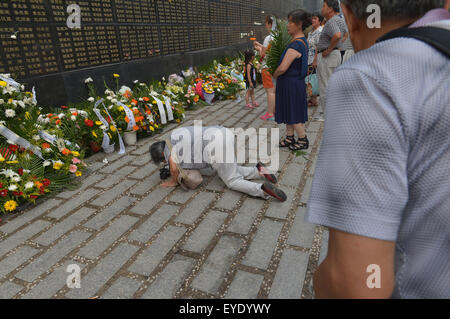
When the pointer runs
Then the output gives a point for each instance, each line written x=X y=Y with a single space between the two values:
x=95 y=135
x=98 y=123
x=76 y=154
x=10 y=206
x=112 y=128
x=121 y=108
x=12 y=162
x=57 y=165
x=109 y=134
x=3 y=83
x=154 y=102
x=152 y=128
x=2 y=159
x=116 y=75
x=156 y=125
x=78 y=174
x=27 y=115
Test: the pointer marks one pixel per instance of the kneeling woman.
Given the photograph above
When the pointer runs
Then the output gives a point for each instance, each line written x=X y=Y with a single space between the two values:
x=291 y=99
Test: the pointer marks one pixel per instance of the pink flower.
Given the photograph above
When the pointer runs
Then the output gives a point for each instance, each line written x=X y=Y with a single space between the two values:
x=76 y=160
x=73 y=168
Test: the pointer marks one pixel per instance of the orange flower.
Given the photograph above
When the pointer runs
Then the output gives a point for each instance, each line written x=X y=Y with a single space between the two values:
x=38 y=184
x=146 y=99
x=49 y=115
x=45 y=145
x=66 y=152
x=127 y=119
x=127 y=94
x=134 y=102
x=58 y=122
x=75 y=113
x=135 y=128
x=196 y=99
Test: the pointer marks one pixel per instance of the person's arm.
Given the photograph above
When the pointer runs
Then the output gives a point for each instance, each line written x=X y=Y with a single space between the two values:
x=344 y=38
x=173 y=181
x=290 y=56
x=333 y=43
x=249 y=69
x=343 y=274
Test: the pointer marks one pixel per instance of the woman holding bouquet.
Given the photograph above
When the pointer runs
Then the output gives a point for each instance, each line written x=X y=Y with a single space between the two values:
x=291 y=99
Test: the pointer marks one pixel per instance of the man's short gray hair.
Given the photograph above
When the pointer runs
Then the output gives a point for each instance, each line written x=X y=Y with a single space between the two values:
x=399 y=9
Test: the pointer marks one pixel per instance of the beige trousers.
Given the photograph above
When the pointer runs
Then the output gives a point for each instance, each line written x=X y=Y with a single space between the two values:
x=325 y=68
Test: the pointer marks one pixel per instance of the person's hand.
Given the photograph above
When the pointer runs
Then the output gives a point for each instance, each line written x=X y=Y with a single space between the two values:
x=314 y=65
x=169 y=183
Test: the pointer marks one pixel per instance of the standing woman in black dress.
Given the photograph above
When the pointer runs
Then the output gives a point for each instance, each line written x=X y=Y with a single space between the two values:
x=291 y=99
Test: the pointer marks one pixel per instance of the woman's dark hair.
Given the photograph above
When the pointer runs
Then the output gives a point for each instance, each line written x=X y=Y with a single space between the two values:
x=249 y=54
x=157 y=152
x=317 y=14
x=300 y=16
x=333 y=4
x=269 y=20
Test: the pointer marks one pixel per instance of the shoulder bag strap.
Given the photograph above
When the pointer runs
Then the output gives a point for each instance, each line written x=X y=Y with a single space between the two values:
x=438 y=38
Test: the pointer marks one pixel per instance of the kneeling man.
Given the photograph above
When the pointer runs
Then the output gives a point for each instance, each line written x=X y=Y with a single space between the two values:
x=201 y=148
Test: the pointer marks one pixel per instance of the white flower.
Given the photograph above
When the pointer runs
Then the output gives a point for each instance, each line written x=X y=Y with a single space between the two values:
x=10 y=113
x=123 y=89
x=16 y=179
x=27 y=171
x=29 y=185
x=110 y=107
x=136 y=81
x=12 y=187
x=36 y=138
x=105 y=161
x=103 y=127
x=21 y=104
x=2 y=123
x=91 y=99
x=48 y=150
x=109 y=98
x=61 y=116
x=2 y=101
x=83 y=113
x=88 y=80
x=47 y=163
x=142 y=84
x=22 y=87
x=73 y=118
x=114 y=101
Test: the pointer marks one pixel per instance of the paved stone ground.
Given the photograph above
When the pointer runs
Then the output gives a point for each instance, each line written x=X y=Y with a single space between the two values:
x=133 y=239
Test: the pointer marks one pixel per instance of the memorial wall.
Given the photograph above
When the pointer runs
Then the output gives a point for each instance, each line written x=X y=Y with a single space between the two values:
x=142 y=39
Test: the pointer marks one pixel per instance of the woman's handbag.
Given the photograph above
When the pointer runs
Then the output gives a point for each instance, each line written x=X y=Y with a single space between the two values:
x=312 y=81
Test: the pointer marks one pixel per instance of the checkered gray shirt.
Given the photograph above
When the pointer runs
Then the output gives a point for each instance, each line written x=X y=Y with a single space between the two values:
x=383 y=169
x=333 y=26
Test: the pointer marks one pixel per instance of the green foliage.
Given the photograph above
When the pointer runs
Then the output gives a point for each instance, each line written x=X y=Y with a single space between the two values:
x=281 y=40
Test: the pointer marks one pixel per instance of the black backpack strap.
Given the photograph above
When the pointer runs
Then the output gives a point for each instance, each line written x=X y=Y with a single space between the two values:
x=438 y=38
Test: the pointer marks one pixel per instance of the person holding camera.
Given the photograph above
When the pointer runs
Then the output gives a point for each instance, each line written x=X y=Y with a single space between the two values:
x=192 y=151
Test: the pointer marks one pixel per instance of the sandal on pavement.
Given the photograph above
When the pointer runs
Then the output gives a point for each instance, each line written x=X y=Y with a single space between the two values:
x=273 y=191
x=287 y=141
x=301 y=144
x=255 y=104
x=266 y=116
x=250 y=106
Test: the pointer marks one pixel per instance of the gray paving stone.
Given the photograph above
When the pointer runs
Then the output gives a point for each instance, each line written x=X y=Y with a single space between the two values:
x=181 y=196
x=110 y=212
x=216 y=266
x=122 y=288
x=76 y=202
x=281 y=210
x=170 y=279
x=9 y=290
x=244 y=286
x=107 y=237
x=147 y=204
x=284 y=155
x=87 y=182
x=64 y=226
x=216 y=184
x=144 y=159
x=244 y=219
x=145 y=171
x=52 y=256
x=153 y=255
x=203 y=234
x=312 y=141
x=195 y=208
x=16 y=239
x=24 y=218
x=313 y=127
x=95 y=166
x=288 y=282
x=112 y=168
x=263 y=245
x=152 y=225
x=51 y=284
x=306 y=190
x=114 y=192
x=324 y=246
x=141 y=150
x=115 y=177
x=97 y=277
x=302 y=232
x=16 y=259
x=147 y=184
x=229 y=200
x=293 y=175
